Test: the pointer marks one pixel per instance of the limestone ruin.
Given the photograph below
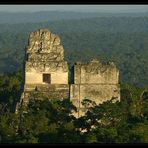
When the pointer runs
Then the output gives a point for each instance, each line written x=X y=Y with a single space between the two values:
x=47 y=72
x=94 y=81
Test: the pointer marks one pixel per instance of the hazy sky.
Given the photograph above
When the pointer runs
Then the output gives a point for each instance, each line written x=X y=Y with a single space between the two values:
x=81 y=8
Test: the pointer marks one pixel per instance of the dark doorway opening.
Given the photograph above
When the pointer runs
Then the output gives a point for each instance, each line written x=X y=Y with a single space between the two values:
x=47 y=78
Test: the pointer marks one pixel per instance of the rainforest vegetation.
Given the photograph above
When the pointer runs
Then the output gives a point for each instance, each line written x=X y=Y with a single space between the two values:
x=52 y=121
x=122 y=39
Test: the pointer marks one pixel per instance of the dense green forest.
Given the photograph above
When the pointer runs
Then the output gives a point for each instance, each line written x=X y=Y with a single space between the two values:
x=123 y=40
x=51 y=121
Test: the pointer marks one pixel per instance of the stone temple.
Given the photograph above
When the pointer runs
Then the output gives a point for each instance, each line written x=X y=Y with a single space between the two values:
x=94 y=81
x=46 y=71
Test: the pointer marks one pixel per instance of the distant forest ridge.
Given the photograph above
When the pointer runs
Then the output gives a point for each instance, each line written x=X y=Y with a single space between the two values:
x=42 y=16
x=123 y=40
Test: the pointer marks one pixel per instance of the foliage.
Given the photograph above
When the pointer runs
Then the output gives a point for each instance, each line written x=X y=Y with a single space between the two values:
x=119 y=39
x=52 y=121
x=10 y=90
x=122 y=40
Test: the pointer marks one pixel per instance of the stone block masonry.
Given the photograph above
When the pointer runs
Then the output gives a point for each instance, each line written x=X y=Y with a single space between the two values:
x=46 y=72
x=95 y=81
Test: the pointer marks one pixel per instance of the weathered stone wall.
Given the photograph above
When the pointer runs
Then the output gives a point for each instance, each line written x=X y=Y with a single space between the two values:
x=37 y=78
x=52 y=91
x=46 y=66
x=43 y=41
x=95 y=72
x=94 y=92
x=45 y=55
x=94 y=81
